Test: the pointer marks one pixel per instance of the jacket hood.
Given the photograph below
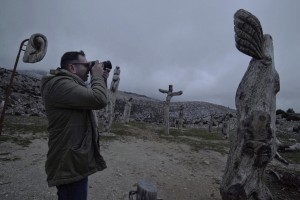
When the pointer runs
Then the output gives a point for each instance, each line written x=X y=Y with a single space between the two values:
x=59 y=72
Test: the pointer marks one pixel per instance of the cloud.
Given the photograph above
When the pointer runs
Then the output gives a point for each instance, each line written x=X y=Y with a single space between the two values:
x=189 y=44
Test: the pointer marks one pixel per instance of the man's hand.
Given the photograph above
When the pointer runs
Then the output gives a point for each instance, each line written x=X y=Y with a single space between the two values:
x=97 y=70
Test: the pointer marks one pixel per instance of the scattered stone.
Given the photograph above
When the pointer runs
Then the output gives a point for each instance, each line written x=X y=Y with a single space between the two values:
x=207 y=162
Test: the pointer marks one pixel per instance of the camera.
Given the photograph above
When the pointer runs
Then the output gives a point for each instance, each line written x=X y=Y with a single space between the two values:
x=106 y=65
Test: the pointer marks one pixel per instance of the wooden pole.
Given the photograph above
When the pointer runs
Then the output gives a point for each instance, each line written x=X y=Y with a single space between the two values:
x=8 y=92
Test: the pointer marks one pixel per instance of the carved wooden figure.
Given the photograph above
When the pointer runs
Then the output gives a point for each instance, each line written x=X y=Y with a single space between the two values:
x=170 y=94
x=210 y=124
x=225 y=130
x=115 y=80
x=112 y=92
x=255 y=143
x=225 y=126
x=36 y=48
x=180 y=122
x=127 y=110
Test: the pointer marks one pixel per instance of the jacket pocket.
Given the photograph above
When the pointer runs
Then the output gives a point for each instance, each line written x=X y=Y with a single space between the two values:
x=76 y=160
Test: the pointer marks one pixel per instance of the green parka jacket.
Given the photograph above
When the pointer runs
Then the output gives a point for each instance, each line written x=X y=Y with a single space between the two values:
x=74 y=151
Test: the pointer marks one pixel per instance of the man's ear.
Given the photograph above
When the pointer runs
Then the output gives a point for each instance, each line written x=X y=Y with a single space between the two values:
x=72 y=68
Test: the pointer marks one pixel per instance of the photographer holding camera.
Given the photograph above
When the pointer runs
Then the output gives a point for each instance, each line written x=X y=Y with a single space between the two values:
x=74 y=151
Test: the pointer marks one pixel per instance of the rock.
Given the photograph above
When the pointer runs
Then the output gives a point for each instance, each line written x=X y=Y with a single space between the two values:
x=206 y=162
x=292 y=140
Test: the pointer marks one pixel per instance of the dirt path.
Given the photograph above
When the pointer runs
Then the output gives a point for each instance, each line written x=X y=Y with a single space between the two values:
x=178 y=173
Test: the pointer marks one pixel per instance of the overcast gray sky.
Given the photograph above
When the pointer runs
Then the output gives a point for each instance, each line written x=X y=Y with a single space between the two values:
x=187 y=43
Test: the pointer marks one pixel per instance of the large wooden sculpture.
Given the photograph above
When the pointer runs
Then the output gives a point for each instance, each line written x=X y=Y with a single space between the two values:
x=112 y=95
x=170 y=94
x=255 y=143
x=36 y=48
x=35 y=51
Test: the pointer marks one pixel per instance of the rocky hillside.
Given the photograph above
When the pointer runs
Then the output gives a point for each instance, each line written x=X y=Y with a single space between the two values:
x=26 y=100
x=33 y=73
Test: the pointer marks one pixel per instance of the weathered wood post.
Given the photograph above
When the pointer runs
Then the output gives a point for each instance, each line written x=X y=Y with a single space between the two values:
x=1 y=106
x=225 y=130
x=180 y=121
x=255 y=143
x=170 y=94
x=114 y=88
x=111 y=102
x=127 y=110
x=210 y=124
x=145 y=191
x=225 y=126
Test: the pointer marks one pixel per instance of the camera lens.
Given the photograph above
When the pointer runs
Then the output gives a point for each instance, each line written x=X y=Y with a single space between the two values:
x=107 y=64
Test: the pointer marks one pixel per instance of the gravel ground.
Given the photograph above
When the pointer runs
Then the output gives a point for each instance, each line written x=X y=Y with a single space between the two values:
x=177 y=172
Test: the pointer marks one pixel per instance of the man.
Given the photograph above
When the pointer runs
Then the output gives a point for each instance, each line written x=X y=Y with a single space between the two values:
x=74 y=151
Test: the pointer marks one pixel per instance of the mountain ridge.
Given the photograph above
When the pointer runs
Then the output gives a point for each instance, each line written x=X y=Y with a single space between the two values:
x=26 y=100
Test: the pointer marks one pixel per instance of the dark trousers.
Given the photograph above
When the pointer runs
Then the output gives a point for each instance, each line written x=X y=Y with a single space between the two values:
x=73 y=191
